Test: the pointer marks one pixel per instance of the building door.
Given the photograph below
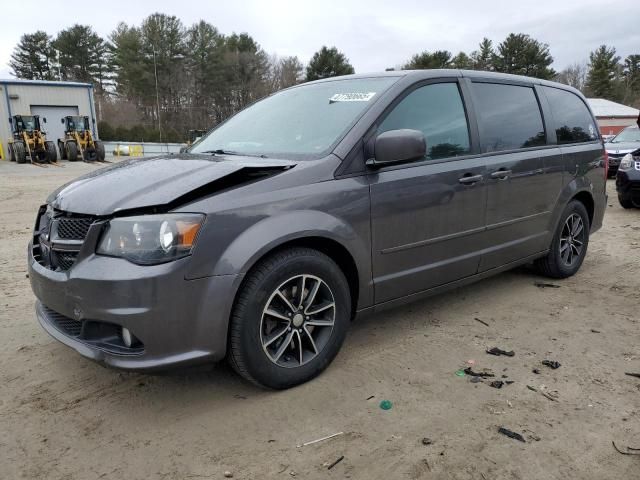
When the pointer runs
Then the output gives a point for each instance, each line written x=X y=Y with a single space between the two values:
x=54 y=127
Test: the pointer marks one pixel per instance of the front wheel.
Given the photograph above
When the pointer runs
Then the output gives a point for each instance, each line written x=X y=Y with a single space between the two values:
x=290 y=318
x=625 y=201
x=569 y=244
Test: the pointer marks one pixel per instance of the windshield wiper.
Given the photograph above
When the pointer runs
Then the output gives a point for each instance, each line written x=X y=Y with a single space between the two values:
x=220 y=151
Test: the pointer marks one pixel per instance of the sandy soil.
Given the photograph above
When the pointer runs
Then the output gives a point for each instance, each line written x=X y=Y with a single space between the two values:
x=64 y=417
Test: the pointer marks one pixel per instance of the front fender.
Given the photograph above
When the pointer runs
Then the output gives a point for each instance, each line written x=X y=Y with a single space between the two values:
x=271 y=232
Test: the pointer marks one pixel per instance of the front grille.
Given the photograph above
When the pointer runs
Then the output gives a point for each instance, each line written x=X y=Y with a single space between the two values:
x=65 y=324
x=74 y=228
x=58 y=238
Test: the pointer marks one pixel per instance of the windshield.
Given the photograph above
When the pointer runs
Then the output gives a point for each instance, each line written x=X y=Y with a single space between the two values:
x=627 y=135
x=27 y=123
x=302 y=121
x=77 y=124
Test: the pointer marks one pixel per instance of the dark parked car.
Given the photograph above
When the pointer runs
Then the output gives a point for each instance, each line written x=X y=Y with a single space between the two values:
x=627 y=141
x=628 y=180
x=322 y=202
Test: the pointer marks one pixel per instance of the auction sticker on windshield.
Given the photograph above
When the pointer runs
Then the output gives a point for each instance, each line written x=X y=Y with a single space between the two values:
x=352 y=97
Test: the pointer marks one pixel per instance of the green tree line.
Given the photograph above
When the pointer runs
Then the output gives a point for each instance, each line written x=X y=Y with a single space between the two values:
x=161 y=78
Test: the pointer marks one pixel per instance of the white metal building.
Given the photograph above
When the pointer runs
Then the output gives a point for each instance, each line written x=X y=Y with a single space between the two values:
x=50 y=99
x=611 y=116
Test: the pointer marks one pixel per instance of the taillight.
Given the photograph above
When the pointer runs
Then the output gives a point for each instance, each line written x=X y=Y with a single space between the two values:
x=606 y=165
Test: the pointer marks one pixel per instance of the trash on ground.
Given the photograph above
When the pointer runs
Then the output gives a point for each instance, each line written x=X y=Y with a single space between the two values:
x=593 y=330
x=631 y=374
x=546 y=285
x=498 y=351
x=628 y=451
x=427 y=441
x=510 y=434
x=532 y=388
x=536 y=371
x=551 y=364
x=469 y=371
x=460 y=373
x=471 y=362
x=496 y=384
x=509 y=382
x=228 y=474
x=386 y=404
x=340 y=458
x=476 y=380
x=320 y=439
x=549 y=396
x=481 y=321
x=372 y=396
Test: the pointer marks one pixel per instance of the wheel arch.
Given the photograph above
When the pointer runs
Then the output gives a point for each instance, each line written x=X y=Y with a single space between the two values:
x=586 y=198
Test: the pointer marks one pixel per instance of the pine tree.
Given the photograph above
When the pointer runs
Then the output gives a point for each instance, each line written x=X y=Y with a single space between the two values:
x=328 y=62
x=602 y=79
x=428 y=60
x=522 y=55
x=33 y=57
x=483 y=59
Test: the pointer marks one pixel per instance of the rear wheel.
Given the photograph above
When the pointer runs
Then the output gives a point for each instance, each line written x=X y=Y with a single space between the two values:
x=100 y=151
x=20 y=152
x=52 y=152
x=90 y=155
x=72 y=151
x=290 y=319
x=569 y=244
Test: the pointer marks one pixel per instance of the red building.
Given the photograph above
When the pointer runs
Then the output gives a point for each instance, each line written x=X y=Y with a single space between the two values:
x=612 y=117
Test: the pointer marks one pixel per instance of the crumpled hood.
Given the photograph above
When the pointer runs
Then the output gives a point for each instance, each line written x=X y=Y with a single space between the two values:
x=622 y=147
x=159 y=181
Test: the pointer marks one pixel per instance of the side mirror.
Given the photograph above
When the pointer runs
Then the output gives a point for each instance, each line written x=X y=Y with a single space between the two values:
x=93 y=120
x=44 y=119
x=397 y=146
x=10 y=120
x=62 y=120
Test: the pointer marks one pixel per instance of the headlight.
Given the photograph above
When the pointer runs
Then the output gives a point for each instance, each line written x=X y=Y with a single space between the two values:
x=626 y=162
x=151 y=239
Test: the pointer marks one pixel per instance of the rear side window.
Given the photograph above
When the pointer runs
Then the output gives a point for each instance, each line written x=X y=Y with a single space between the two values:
x=509 y=117
x=437 y=111
x=572 y=121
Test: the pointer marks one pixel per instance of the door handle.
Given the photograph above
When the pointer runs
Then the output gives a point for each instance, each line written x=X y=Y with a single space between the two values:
x=469 y=179
x=501 y=174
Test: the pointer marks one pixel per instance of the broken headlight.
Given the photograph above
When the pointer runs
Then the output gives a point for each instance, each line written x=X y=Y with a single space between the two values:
x=151 y=239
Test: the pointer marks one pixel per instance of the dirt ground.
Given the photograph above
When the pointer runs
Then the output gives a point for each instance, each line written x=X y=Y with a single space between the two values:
x=64 y=417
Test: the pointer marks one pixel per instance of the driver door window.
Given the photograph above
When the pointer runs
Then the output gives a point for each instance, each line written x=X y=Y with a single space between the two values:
x=437 y=111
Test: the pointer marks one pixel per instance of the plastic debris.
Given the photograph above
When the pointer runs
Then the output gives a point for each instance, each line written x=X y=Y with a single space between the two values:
x=536 y=371
x=340 y=458
x=426 y=441
x=628 y=451
x=498 y=351
x=496 y=384
x=510 y=434
x=460 y=373
x=228 y=474
x=551 y=364
x=532 y=388
x=386 y=404
x=593 y=330
x=471 y=362
x=372 y=396
x=476 y=380
x=321 y=439
x=469 y=371
x=631 y=374
x=546 y=285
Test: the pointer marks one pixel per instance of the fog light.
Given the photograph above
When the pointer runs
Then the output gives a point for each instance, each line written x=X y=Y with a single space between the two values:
x=127 y=338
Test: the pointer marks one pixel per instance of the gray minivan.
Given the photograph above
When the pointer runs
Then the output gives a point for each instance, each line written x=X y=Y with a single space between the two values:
x=312 y=206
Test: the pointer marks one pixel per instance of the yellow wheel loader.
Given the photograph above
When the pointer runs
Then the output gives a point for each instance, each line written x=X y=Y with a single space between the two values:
x=30 y=142
x=78 y=141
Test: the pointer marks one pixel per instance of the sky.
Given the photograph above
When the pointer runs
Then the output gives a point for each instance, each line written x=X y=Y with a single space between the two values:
x=373 y=34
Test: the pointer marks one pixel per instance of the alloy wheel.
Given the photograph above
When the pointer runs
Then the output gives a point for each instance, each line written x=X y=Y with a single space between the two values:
x=297 y=321
x=572 y=239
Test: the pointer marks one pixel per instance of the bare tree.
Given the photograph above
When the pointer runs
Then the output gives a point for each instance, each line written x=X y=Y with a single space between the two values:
x=575 y=75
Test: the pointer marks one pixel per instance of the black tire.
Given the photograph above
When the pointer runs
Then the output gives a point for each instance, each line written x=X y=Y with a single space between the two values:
x=72 y=151
x=553 y=265
x=63 y=151
x=625 y=201
x=52 y=151
x=100 y=151
x=20 y=152
x=246 y=353
x=12 y=155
